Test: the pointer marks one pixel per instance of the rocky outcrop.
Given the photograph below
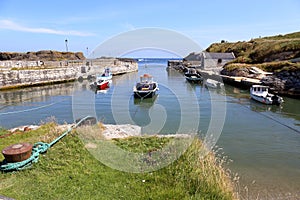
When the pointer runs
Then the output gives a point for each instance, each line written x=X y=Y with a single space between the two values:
x=244 y=71
x=46 y=55
x=284 y=82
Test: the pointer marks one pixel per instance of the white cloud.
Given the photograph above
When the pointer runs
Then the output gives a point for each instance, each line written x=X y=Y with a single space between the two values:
x=128 y=26
x=10 y=25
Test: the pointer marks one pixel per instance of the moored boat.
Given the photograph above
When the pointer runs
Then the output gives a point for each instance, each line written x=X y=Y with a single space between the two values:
x=100 y=84
x=192 y=76
x=102 y=81
x=261 y=93
x=213 y=83
x=146 y=88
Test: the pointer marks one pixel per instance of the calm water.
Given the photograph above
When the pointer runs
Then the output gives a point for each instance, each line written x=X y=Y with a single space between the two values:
x=263 y=141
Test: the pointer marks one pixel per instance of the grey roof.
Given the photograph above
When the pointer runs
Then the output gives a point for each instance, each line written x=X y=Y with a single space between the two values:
x=218 y=55
x=193 y=56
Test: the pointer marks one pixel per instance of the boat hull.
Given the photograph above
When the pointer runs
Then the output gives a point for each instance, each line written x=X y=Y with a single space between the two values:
x=261 y=99
x=103 y=85
x=273 y=100
x=143 y=94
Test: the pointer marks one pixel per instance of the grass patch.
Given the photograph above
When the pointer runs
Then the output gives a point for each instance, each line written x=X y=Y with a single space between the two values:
x=69 y=171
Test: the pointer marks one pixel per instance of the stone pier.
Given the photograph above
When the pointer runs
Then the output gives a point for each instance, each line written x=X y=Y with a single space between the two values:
x=14 y=74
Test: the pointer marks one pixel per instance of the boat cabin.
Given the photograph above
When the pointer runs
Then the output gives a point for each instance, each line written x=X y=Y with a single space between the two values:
x=146 y=78
x=106 y=72
x=261 y=89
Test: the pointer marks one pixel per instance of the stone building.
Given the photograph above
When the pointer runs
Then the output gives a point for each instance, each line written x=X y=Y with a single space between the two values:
x=211 y=61
x=193 y=60
x=208 y=61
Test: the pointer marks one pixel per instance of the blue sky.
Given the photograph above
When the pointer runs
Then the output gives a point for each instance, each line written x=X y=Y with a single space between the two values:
x=41 y=25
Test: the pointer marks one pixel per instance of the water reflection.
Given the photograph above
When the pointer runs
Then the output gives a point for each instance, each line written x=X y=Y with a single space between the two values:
x=35 y=94
x=259 y=107
x=145 y=103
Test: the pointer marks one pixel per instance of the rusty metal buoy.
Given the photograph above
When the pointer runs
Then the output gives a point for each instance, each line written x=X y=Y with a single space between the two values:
x=17 y=152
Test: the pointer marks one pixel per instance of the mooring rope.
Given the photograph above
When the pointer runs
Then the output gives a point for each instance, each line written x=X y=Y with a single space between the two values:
x=31 y=109
x=38 y=148
x=269 y=117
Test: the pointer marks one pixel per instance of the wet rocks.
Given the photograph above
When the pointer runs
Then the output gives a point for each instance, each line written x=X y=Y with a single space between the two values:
x=284 y=82
x=121 y=131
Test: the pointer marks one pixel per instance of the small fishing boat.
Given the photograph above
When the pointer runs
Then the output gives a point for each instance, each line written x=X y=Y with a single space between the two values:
x=192 y=76
x=103 y=81
x=100 y=84
x=261 y=94
x=213 y=84
x=146 y=88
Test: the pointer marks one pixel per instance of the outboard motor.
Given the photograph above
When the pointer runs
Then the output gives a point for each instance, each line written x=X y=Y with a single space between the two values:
x=275 y=100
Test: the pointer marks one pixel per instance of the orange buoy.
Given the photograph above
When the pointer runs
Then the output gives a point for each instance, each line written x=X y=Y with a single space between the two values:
x=17 y=152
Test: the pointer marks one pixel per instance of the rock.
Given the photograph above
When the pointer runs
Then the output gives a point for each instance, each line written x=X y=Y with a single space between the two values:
x=24 y=128
x=284 y=82
x=236 y=72
x=121 y=131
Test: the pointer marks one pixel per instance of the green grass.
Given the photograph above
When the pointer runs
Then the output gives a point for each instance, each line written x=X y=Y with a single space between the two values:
x=69 y=171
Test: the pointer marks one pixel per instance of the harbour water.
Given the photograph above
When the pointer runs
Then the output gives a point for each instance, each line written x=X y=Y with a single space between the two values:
x=262 y=141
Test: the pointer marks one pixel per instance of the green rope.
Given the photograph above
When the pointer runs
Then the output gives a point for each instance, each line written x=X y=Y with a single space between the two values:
x=37 y=149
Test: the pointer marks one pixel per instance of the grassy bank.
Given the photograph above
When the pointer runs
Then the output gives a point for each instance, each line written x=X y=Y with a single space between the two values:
x=259 y=50
x=69 y=171
x=276 y=66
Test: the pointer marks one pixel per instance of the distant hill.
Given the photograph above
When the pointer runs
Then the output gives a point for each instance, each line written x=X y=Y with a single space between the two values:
x=45 y=55
x=261 y=50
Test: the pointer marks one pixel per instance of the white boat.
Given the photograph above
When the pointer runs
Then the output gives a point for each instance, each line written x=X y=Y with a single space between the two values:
x=146 y=88
x=213 y=84
x=192 y=76
x=261 y=93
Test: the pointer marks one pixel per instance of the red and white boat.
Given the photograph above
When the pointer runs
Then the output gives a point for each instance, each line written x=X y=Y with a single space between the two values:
x=103 y=81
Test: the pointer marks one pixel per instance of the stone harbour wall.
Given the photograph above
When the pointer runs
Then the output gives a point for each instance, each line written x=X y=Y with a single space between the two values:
x=19 y=78
x=15 y=74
